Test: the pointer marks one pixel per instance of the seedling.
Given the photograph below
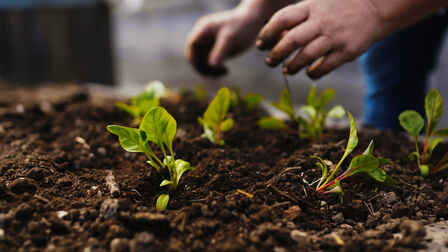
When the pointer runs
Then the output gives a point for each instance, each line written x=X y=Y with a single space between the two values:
x=313 y=116
x=413 y=123
x=214 y=120
x=146 y=100
x=366 y=164
x=158 y=127
x=248 y=103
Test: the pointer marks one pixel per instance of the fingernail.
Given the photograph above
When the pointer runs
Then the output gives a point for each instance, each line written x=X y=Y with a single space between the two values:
x=259 y=43
x=285 y=70
x=268 y=60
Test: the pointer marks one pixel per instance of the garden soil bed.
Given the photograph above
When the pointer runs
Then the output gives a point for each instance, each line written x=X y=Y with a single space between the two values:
x=67 y=185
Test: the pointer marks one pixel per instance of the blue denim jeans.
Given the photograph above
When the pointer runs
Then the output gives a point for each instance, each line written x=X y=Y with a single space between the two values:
x=397 y=70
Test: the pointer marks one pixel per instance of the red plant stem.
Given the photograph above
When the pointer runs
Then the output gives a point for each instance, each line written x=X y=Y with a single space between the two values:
x=341 y=177
x=437 y=167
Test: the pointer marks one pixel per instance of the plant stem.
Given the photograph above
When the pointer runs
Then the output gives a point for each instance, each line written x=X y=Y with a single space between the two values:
x=218 y=131
x=437 y=167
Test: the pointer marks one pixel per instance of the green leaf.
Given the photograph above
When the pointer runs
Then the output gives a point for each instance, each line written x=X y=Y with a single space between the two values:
x=162 y=202
x=252 y=100
x=384 y=161
x=182 y=167
x=310 y=111
x=129 y=137
x=336 y=112
x=227 y=125
x=363 y=163
x=147 y=105
x=413 y=156
x=432 y=145
x=166 y=182
x=326 y=96
x=131 y=110
x=272 y=123
x=216 y=112
x=441 y=132
x=285 y=104
x=323 y=167
x=160 y=127
x=389 y=181
x=412 y=122
x=369 y=150
x=200 y=92
x=378 y=175
x=311 y=98
x=433 y=109
x=424 y=170
x=352 y=139
x=235 y=97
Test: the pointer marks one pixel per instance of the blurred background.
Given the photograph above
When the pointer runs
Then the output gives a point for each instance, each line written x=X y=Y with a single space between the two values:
x=127 y=43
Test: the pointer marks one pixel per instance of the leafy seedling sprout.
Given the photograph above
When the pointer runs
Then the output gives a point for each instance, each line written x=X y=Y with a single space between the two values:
x=146 y=100
x=247 y=103
x=214 y=120
x=365 y=164
x=312 y=117
x=158 y=127
x=413 y=123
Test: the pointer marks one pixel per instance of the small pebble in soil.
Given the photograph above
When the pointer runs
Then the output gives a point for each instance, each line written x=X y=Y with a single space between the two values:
x=338 y=218
x=102 y=151
x=61 y=214
x=292 y=213
x=2 y=234
x=119 y=245
x=141 y=242
x=388 y=198
x=22 y=185
x=109 y=209
x=299 y=236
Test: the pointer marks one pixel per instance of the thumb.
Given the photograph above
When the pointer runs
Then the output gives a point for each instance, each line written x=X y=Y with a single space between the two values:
x=221 y=49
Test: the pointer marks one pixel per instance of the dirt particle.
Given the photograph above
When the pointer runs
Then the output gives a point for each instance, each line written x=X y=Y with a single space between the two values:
x=292 y=213
x=22 y=185
x=141 y=242
x=299 y=236
x=24 y=211
x=119 y=245
x=109 y=209
x=338 y=218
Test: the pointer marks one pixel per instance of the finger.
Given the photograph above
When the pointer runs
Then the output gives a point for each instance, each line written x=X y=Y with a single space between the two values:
x=310 y=53
x=199 y=44
x=284 y=19
x=221 y=49
x=293 y=40
x=325 y=65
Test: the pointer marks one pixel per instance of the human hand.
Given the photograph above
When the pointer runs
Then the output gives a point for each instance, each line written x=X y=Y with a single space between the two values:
x=220 y=36
x=328 y=33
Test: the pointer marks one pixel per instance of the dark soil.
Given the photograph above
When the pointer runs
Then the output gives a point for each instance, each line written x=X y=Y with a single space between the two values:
x=57 y=162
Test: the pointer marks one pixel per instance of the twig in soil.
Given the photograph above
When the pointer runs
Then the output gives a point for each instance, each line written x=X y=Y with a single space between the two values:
x=41 y=198
x=135 y=190
x=111 y=183
x=290 y=169
x=249 y=195
x=368 y=208
x=278 y=191
x=304 y=190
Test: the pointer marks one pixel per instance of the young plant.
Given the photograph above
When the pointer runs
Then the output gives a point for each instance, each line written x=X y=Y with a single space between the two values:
x=214 y=120
x=248 y=103
x=146 y=100
x=158 y=127
x=313 y=115
x=413 y=123
x=366 y=164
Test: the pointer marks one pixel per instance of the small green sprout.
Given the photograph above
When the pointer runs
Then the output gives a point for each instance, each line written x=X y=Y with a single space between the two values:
x=365 y=163
x=158 y=127
x=248 y=103
x=313 y=115
x=146 y=100
x=413 y=123
x=214 y=120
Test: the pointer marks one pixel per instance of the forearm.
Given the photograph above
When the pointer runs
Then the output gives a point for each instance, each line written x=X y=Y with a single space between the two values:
x=394 y=15
x=262 y=10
